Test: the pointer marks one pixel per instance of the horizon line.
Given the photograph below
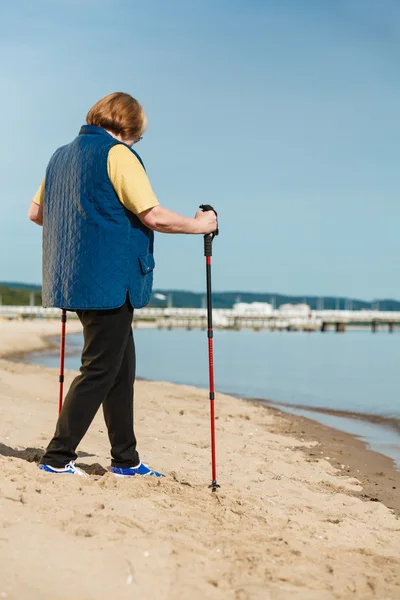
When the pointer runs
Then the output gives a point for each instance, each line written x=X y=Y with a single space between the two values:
x=237 y=292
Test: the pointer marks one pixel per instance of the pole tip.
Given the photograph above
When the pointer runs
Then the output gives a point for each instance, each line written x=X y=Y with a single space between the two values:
x=214 y=486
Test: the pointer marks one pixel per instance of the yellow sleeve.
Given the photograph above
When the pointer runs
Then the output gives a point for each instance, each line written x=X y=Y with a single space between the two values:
x=39 y=196
x=129 y=180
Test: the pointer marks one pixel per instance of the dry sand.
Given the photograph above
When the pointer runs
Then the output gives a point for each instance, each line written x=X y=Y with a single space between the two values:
x=281 y=527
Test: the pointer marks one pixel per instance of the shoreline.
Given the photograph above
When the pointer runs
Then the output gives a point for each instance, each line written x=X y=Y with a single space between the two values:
x=385 y=421
x=21 y=338
x=377 y=472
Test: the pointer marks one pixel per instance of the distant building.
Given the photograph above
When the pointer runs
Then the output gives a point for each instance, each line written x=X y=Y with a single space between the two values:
x=253 y=308
x=298 y=309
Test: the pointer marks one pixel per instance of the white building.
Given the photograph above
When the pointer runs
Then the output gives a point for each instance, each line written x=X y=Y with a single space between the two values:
x=295 y=309
x=252 y=309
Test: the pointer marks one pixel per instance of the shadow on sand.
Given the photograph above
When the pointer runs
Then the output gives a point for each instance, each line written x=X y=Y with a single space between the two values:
x=34 y=455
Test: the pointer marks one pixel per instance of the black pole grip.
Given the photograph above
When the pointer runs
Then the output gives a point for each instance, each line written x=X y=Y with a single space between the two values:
x=208 y=240
x=206 y=207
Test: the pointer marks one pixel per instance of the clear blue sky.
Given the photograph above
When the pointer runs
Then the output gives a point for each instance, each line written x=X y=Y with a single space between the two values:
x=284 y=114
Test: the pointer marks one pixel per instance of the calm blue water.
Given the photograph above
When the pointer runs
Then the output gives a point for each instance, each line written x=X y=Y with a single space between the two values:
x=357 y=371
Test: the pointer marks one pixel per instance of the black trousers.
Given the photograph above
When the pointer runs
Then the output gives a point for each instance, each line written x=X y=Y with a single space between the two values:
x=107 y=378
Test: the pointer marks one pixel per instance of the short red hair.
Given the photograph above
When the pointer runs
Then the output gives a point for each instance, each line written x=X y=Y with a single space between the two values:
x=119 y=113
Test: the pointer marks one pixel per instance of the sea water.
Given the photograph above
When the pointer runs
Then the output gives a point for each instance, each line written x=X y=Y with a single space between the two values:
x=357 y=371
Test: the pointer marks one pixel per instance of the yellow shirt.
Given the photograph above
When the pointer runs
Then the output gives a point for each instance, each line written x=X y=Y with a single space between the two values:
x=128 y=179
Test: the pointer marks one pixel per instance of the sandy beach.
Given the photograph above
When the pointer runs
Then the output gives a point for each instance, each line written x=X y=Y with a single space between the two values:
x=295 y=517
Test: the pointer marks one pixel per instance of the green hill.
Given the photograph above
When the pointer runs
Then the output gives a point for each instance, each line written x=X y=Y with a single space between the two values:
x=16 y=293
x=15 y=285
x=227 y=300
x=20 y=296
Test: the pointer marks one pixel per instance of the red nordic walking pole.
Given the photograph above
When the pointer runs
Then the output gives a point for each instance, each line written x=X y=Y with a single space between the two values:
x=208 y=240
x=62 y=355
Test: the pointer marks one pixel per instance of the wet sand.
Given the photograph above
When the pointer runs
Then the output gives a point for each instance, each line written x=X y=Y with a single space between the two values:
x=377 y=473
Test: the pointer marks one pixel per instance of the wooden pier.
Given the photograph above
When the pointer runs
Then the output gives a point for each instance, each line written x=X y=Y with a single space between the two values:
x=229 y=319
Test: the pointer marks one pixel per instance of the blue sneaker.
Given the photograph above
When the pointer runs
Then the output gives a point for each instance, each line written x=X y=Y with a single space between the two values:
x=69 y=469
x=141 y=469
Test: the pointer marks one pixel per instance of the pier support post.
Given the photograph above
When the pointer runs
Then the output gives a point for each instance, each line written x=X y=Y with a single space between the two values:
x=324 y=326
x=340 y=327
x=391 y=327
x=374 y=326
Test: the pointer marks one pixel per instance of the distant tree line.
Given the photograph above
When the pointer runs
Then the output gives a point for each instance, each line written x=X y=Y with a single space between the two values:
x=20 y=294
x=182 y=299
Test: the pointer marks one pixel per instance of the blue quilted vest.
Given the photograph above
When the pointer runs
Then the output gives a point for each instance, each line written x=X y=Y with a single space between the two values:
x=95 y=251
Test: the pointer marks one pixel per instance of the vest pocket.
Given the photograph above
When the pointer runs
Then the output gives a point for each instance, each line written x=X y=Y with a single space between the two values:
x=147 y=263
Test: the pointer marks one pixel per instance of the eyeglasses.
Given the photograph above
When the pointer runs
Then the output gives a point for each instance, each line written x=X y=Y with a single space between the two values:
x=138 y=140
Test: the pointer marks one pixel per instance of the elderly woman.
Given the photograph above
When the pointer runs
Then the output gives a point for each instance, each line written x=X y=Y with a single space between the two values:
x=98 y=212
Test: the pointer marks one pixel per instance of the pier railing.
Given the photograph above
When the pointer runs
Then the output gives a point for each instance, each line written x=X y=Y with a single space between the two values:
x=191 y=318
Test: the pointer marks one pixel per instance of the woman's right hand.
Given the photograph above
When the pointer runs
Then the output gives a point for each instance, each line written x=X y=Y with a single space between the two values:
x=207 y=221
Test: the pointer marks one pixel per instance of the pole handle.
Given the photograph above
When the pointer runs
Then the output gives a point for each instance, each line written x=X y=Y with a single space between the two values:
x=209 y=237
